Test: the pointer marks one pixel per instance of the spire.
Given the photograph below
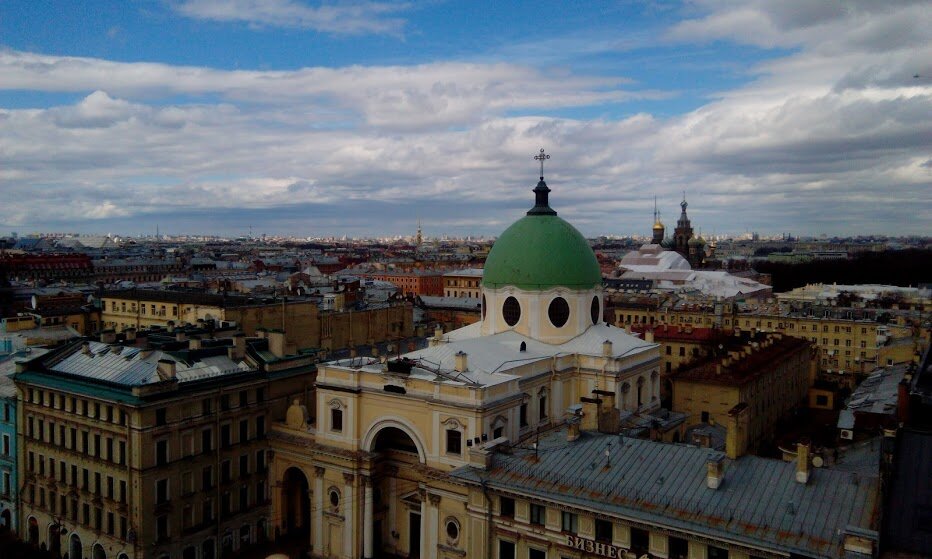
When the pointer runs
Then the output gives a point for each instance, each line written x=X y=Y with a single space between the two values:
x=541 y=191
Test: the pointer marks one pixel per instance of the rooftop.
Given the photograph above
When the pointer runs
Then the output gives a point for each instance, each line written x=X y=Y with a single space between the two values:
x=765 y=352
x=758 y=500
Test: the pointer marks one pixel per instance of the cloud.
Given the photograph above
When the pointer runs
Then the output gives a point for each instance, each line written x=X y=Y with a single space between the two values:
x=349 y=18
x=831 y=136
x=441 y=94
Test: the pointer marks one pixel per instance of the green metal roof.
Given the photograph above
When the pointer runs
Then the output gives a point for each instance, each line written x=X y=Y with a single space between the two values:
x=541 y=252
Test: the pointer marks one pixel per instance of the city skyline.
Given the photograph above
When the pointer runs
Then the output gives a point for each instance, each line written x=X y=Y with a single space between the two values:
x=360 y=119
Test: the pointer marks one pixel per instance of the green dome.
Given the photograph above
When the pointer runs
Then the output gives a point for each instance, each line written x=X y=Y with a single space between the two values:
x=540 y=252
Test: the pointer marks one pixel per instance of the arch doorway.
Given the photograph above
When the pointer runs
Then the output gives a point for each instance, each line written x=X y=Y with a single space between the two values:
x=296 y=504
x=33 y=531
x=55 y=539
x=99 y=552
x=6 y=519
x=75 y=549
x=395 y=501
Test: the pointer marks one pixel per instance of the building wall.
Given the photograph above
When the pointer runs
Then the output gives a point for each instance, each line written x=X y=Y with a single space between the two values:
x=305 y=325
x=123 y=445
x=772 y=392
x=8 y=478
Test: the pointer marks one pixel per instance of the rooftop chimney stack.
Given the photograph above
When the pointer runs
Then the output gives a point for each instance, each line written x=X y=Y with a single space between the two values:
x=86 y=348
x=194 y=342
x=714 y=471
x=462 y=363
x=238 y=351
x=607 y=348
x=130 y=335
x=649 y=336
x=166 y=369
x=802 y=463
x=108 y=336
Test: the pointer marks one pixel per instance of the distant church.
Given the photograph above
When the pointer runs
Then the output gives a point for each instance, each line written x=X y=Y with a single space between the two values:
x=693 y=249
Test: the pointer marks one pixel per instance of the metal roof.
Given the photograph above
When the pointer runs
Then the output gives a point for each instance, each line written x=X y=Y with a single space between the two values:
x=759 y=502
x=130 y=366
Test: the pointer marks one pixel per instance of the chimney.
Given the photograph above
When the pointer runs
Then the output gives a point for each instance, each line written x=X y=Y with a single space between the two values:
x=166 y=369
x=86 y=348
x=649 y=336
x=108 y=336
x=572 y=428
x=802 y=463
x=736 y=427
x=902 y=400
x=238 y=351
x=194 y=342
x=130 y=334
x=277 y=343
x=180 y=336
x=714 y=471
x=607 y=348
x=171 y=326
x=438 y=336
x=462 y=364
x=590 y=413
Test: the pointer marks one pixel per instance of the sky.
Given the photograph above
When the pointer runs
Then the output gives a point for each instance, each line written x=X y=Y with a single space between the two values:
x=293 y=117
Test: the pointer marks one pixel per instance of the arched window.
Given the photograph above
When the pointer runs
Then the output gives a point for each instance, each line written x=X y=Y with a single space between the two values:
x=542 y=411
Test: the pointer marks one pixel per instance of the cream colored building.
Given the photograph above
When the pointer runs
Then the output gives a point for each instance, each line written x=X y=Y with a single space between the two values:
x=364 y=463
x=159 y=451
x=463 y=283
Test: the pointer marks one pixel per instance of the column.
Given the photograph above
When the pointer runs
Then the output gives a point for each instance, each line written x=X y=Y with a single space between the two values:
x=433 y=524
x=318 y=513
x=367 y=519
x=349 y=515
x=424 y=523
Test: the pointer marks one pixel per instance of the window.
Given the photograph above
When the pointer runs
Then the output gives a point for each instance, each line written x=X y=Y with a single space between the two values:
x=640 y=541
x=523 y=415
x=536 y=553
x=205 y=407
x=538 y=514
x=717 y=552
x=260 y=426
x=244 y=465
x=336 y=419
x=161 y=453
x=570 y=522
x=224 y=402
x=161 y=491
x=511 y=311
x=682 y=351
x=207 y=478
x=243 y=399
x=506 y=507
x=260 y=461
x=226 y=471
x=558 y=312
x=669 y=350
x=821 y=400
x=225 y=436
x=603 y=530
x=454 y=441
x=6 y=445
x=161 y=527
x=207 y=440
x=506 y=550
x=260 y=395
x=160 y=417
x=542 y=406
x=243 y=430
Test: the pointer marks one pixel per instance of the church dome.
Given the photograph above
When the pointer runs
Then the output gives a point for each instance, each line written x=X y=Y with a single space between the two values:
x=541 y=251
x=658 y=226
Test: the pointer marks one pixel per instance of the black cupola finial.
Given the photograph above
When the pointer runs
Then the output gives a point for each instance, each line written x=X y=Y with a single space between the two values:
x=541 y=191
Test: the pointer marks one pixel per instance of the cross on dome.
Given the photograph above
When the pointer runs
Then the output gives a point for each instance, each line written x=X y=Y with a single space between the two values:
x=542 y=157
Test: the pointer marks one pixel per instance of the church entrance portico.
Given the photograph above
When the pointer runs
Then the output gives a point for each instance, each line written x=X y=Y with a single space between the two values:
x=393 y=501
